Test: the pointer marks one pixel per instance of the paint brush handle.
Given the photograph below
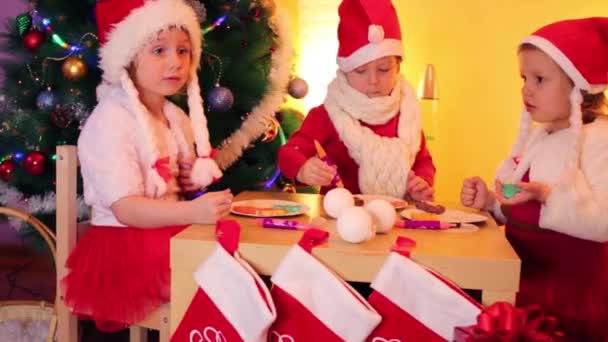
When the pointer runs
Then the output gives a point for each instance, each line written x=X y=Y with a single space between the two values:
x=337 y=181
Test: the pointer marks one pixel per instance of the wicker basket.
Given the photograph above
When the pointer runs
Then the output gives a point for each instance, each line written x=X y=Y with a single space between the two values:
x=28 y=312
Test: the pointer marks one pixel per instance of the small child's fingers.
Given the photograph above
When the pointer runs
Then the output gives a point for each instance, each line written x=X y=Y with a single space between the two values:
x=466 y=195
x=467 y=201
x=184 y=166
x=321 y=166
x=411 y=183
x=469 y=182
x=186 y=180
x=324 y=172
x=320 y=178
x=497 y=186
x=428 y=194
x=469 y=191
x=420 y=185
x=184 y=173
x=223 y=209
x=221 y=196
x=501 y=198
x=226 y=199
x=190 y=188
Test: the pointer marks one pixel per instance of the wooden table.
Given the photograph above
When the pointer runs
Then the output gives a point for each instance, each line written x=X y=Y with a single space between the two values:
x=481 y=260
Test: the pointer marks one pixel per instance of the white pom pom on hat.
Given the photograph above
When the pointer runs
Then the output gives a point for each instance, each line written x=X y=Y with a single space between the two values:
x=368 y=30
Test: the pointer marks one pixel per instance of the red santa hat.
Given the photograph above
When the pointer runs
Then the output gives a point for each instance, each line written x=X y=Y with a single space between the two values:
x=580 y=48
x=368 y=30
x=124 y=28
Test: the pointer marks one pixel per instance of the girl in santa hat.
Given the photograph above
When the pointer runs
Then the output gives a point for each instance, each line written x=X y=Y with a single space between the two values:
x=369 y=124
x=558 y=221
x=129 y=151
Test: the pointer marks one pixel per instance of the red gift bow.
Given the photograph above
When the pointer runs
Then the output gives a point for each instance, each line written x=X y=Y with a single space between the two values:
x=508 y=324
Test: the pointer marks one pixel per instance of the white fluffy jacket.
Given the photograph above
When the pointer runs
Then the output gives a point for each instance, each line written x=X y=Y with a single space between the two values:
x=577 y=206
x=110 y=149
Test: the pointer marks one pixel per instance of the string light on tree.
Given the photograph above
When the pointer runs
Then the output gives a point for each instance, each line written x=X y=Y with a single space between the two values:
x=74 y=68
x=18 y=157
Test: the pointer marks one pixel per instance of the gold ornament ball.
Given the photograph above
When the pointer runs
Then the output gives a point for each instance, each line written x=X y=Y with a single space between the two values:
x=74 y=68
x=272 y=129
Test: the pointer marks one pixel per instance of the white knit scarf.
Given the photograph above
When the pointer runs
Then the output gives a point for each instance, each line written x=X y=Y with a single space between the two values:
x=384 y=163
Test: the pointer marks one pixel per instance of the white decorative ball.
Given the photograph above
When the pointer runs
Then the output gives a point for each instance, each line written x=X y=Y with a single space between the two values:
x=355 y=225
x=336 y=200
x=383 y=213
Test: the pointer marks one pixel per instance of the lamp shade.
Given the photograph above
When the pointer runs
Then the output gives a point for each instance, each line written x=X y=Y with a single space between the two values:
x=428 y=85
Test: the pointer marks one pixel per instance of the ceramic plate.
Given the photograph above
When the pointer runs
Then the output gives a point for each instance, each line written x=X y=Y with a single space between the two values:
x=268 y=208
x=397 y=203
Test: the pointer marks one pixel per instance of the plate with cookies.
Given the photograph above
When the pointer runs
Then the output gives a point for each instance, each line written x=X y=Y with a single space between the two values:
x=449 y=215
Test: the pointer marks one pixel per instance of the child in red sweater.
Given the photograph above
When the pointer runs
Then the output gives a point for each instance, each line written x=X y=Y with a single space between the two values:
x=369 y=124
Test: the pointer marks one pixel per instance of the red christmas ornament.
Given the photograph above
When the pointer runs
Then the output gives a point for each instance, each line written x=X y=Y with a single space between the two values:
x=6 y=169
x=34 y=163
x=33 y=39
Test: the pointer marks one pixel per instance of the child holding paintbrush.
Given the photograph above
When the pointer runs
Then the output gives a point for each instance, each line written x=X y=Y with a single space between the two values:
x=369 y=124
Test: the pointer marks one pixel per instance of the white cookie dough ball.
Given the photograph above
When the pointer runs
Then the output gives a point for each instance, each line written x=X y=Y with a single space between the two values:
x=383 y=213
x=336 y=200
x=355 y=225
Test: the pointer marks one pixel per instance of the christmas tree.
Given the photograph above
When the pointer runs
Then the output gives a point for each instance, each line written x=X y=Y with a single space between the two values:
x=246 y=70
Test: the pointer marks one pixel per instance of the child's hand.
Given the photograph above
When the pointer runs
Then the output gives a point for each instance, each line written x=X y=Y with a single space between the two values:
x=418 y=188
x=183 y=179
x=529 y=191
x=316 y=172
x=475 y=194
x=212 y=206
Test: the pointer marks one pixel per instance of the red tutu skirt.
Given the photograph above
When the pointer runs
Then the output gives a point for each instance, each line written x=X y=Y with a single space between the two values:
x=119 y=275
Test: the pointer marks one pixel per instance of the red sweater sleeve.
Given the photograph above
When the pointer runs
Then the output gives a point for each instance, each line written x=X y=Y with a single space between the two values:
x=300 y=146
x=423 y=165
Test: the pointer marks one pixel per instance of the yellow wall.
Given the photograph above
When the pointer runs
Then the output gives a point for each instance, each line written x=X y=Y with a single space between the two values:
x=290 y=8
x=472 y=44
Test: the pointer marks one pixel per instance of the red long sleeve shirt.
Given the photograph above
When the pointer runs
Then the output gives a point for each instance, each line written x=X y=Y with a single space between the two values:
x=318 y=126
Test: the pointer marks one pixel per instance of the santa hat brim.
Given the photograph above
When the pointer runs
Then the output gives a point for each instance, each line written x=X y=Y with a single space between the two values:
x=370 y=52
x=564 y=62
x=128 y=36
